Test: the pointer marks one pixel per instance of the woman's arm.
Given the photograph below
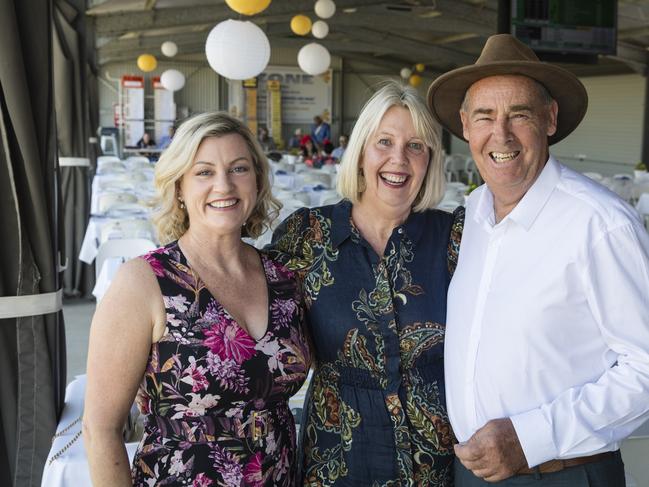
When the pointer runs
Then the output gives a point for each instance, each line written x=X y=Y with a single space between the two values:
x=120 y=340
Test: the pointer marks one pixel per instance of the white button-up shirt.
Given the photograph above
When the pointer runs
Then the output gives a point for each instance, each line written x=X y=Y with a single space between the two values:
x=548 y=318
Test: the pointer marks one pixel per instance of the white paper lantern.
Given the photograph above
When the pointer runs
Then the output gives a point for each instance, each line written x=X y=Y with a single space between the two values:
x=314 y=59
x=237 y=49
x=169 y=48
x=325 y=8
x=406 y=72
x=172 y=80
x=320 y=29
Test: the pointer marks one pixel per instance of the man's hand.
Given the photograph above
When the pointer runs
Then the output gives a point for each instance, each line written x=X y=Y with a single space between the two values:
x=493 y=452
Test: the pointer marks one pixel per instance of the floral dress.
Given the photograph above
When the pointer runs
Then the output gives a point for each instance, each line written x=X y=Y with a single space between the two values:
x=215 y=399
x=375 y=414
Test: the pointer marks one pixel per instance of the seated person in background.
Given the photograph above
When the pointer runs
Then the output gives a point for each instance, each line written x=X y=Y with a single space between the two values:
x=166 y=139
x=294 y=141
x=265 y=140
x=320 y=131
x=308 y=150
x=325 y=157
x=340 y=150
x=145 y=142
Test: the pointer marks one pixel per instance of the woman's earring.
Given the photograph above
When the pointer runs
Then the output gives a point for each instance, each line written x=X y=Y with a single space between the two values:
x=182 y=203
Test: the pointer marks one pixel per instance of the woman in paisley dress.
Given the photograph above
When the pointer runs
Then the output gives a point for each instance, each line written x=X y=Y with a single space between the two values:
x=206 y=330
x=375 y=269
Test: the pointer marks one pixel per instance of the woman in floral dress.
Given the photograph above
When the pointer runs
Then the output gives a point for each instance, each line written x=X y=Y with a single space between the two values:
x=206 y=330
x=375 y=269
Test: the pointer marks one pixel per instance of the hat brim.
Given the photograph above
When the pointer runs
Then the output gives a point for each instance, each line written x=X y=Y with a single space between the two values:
x=446 y=93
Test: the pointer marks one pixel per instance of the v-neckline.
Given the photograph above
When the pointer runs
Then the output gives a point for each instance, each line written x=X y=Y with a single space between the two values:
x=200 y=281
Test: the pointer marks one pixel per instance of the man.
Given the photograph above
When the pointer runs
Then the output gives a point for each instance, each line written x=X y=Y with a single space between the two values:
x=547 y=343
x=320 y=131
x=338 y=152
x=166 y=139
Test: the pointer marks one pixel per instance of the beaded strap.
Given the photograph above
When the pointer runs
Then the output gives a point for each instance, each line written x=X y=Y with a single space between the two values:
x=69 y=443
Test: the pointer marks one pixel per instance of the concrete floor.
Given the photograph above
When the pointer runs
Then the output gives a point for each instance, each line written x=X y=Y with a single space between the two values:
x=77 y=314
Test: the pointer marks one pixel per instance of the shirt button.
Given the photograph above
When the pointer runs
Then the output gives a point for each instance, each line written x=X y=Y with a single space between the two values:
x=400 y=231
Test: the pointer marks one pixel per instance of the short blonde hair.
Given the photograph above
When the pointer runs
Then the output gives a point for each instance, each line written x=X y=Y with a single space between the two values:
x=389 y=95
x=172 y=221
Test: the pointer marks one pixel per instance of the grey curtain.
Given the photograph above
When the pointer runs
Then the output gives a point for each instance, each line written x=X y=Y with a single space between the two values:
x=32 y=348
x=73 y=129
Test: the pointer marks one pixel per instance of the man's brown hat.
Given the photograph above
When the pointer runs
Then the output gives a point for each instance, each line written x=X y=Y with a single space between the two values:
x=504 y=54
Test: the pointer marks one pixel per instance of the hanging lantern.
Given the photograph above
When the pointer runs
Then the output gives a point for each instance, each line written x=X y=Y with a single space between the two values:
x=237 y=49
x=169 y=48
x=419 y=67
x=325 y=8
x=301 y=24
x=172 y=80
x=146 y=62
x=405 y=73
x=248 y=7
x=415 y=80
x=320 y=29
x=313 y=59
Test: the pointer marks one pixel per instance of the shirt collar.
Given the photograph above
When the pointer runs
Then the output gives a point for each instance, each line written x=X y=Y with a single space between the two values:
x=529 y=207
x=341 y=224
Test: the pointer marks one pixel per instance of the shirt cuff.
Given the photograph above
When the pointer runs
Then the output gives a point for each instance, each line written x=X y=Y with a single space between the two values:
x=535 y=436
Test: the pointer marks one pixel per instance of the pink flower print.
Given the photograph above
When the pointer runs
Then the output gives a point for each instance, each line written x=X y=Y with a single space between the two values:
x=202 y=480
x=228 y=340
x=194 y=375
x=155 y=264
x=252 y=471
x=227 y=465
x=276 y=272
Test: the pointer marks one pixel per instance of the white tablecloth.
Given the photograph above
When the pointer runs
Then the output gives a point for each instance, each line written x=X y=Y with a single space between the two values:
x=70 y=469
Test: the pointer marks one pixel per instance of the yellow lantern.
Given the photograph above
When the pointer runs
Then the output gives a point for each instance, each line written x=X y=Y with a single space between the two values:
x=248 y=7
x=301 y=25
x=419 y=67
x=415 y=80
x=146 y=62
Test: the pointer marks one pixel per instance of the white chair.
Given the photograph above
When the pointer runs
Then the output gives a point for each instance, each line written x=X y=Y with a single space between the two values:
x=471 y=170
x=108 y=144
x=454 y=165
x=111 y=255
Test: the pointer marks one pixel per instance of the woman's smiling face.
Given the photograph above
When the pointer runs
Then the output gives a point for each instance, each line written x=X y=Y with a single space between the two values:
x=394 y=162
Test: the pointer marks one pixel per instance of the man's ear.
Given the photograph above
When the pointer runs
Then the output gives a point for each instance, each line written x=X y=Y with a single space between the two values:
x=553 y=113
x=463 y=117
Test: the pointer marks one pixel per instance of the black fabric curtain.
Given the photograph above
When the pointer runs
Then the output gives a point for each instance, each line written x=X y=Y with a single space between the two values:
x=32 y=348
x=74 y=125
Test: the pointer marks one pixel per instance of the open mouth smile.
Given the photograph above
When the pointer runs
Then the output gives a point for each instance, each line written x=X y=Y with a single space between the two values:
x=503 y=156
x=220 y=204
x=394 y=179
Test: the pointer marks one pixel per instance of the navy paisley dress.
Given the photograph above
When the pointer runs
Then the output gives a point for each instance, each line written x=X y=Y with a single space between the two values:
x=215 y=399
x=375 y=414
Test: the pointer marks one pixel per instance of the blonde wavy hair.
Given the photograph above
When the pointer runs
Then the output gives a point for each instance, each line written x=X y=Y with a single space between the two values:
x=392 y=94
x=172 y=221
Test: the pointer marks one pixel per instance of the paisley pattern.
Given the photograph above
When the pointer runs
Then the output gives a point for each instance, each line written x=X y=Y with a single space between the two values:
x=215 y=399
x=375 y=414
